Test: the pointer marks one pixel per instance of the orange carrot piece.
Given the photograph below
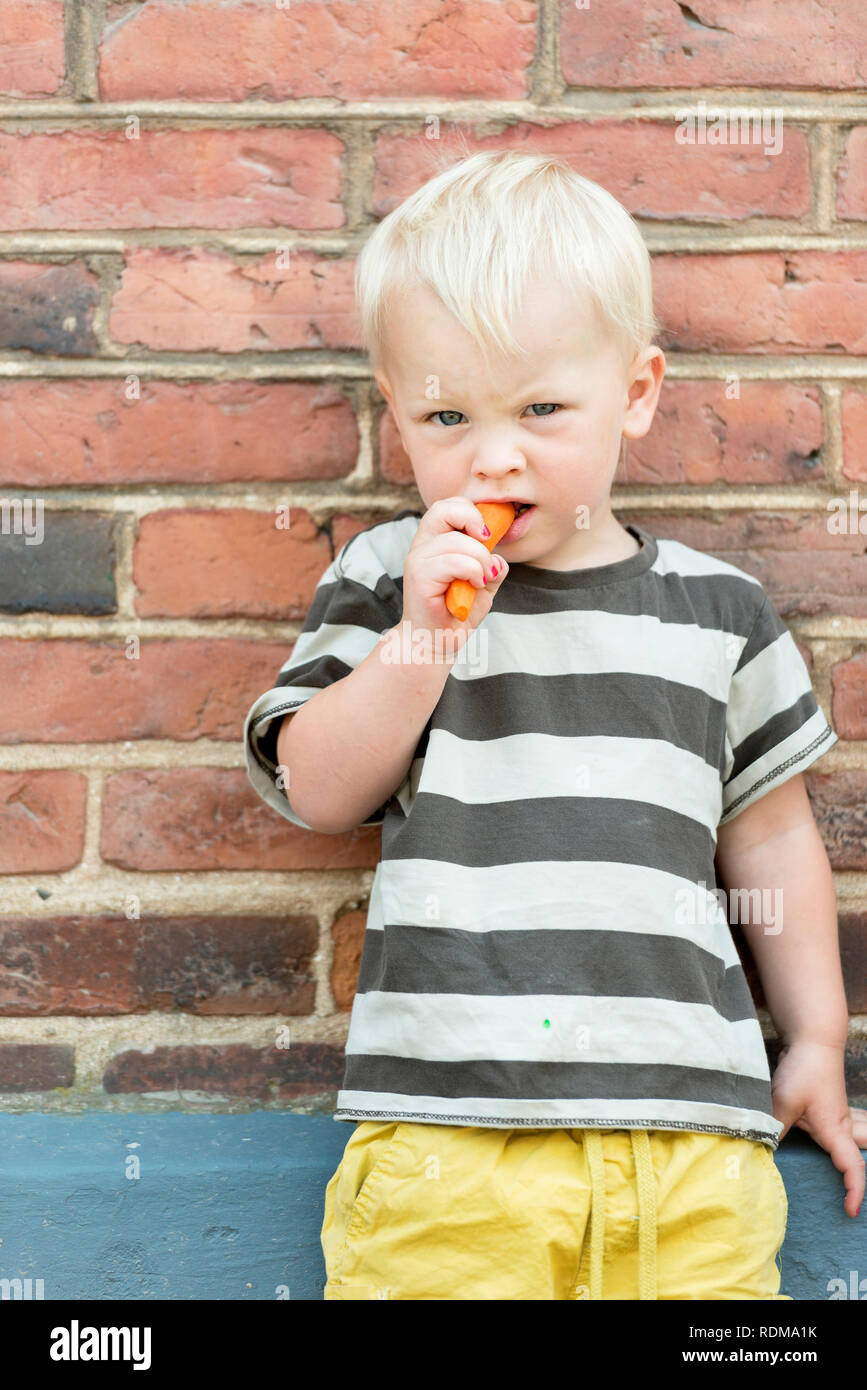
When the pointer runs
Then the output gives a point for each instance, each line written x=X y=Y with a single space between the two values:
x=461 y=594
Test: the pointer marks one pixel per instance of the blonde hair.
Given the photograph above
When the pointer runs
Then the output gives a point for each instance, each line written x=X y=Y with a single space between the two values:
x=479 y=230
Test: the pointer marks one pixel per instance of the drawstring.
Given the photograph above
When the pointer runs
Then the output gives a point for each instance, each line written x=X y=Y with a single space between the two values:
x=646 y=1213
x=646 y=1186
x=593 y=1146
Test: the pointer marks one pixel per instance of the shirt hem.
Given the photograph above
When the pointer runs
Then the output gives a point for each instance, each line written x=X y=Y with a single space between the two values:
x=790 y=762
x=516 y=1122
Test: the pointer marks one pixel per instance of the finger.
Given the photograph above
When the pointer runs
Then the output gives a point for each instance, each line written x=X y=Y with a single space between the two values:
x=444 y=568
x=453 y=514
x=499 y=570
x=450 y=541
x=847 y=1157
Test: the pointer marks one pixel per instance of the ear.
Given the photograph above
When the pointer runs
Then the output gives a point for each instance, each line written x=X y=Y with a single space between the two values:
x=383 y=383
x=642 y=398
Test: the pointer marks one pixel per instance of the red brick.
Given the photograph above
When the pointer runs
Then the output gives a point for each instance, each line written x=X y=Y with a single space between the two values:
x=342 y=49
x=839 y=802
x=66 y=691
x=35 y=1067
x=61 y=432
x=805 y=570
x=714 y=43
x=854 y=412
x=769 y=433
x=394 y=461
x=235 y=1069
x=202 y=965
x=66 y=966
x=701 y=182
x=42 y=820
x=849 y=698
x=227 y=563
x=32 y=62
x=48 y=308
x=852 y=177
x=746 y=303
x=203 y=818
x=196 y=300
x=227 y=965
x=348 y=933
x=853 y=957
x=265 y=177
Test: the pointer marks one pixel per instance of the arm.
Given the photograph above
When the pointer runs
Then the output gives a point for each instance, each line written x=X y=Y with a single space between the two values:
x=350 y=746
x=775 y=844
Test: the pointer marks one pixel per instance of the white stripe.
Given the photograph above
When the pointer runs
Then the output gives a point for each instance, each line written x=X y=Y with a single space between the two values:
x=597 y=642
x=524 y=766
x=374 y=554
x=551 y=895
x=345 y=641
x=674 y=558
x=589 y=1028
x=773 y=681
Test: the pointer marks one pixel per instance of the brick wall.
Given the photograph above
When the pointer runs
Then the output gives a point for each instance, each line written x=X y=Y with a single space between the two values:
x=185 y=187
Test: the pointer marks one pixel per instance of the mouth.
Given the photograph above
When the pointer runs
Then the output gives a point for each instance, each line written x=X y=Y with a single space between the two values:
x=523 y=515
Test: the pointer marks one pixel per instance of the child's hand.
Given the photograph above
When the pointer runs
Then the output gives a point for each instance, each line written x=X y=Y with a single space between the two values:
x=440 y=552
x=809 y=1090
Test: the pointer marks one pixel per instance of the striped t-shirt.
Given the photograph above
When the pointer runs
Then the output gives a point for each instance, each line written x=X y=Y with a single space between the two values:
x=545 y=944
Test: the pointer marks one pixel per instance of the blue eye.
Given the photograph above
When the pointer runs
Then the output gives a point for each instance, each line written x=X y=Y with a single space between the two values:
x=444 y=412
x=548 y=408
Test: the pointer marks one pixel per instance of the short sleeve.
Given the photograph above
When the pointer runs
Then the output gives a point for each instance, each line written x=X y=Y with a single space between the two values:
x=775 y=727
x=359 y=596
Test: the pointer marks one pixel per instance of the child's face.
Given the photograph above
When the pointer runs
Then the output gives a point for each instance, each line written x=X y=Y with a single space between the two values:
x=479 y=436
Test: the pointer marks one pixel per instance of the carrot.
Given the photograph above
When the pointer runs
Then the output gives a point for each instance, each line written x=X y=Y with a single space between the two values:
x=461 y=595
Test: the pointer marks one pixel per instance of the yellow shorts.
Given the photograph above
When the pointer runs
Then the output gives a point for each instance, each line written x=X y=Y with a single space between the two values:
x=427 y=1211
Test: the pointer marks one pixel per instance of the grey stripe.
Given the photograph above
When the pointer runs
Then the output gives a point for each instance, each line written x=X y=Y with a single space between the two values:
x=481 y=1077
x=711 y=601
x=549 y=827
x=346 y=602
x=583 y=705
x=437 y=960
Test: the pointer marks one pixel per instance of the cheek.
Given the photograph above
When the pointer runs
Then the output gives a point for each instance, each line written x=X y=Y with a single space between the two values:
x=436 y=479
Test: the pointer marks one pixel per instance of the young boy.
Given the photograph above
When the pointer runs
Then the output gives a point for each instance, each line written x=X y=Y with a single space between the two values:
x=552 y=1036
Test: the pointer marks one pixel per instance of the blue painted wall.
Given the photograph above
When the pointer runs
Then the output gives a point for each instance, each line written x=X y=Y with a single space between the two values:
x=230 y=1206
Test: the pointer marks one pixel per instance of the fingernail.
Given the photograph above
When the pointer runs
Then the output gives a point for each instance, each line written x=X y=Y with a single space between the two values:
x=484 y=580
x=495 y=569
x=487 y=531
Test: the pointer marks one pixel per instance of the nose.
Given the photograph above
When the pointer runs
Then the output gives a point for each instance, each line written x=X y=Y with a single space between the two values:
x=497 y=455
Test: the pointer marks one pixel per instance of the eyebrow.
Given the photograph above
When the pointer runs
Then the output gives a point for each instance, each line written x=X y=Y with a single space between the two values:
x=532 y=393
